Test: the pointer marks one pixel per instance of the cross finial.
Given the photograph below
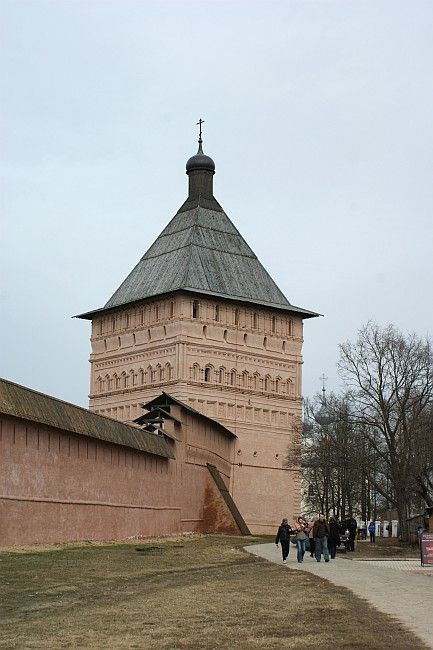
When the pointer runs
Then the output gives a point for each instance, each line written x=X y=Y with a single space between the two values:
x=199 y=123
x=324 y=379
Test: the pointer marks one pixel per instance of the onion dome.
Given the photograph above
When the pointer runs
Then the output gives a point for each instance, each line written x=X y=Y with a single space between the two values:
x=200 y=161
x=324 y=416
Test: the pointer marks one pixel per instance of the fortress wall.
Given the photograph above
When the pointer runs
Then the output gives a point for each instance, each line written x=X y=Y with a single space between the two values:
x=58 y=487
x=202 y=507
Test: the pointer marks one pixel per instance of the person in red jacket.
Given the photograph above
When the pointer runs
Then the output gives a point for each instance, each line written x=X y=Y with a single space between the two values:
x=321 y=534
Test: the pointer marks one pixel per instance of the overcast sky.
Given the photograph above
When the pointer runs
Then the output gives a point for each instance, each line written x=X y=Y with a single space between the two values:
x=319 y=119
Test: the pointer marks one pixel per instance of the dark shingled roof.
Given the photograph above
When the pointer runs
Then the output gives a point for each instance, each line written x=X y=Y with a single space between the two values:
x=201 y=251
x=162 y=404
x=22 y=402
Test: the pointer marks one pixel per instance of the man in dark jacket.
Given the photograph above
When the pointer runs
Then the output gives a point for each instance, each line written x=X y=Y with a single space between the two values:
x=283 y=536
x=334 y=539
x=321 y=534
x=351 y=526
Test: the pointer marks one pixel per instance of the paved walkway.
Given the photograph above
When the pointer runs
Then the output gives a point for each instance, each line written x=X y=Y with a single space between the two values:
x=402 y=589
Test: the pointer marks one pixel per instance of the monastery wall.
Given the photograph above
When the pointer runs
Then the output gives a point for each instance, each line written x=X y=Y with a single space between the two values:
x=57 y=486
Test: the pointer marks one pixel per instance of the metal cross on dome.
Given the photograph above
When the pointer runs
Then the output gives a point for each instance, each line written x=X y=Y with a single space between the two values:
x=199 y=123
x=324 y=380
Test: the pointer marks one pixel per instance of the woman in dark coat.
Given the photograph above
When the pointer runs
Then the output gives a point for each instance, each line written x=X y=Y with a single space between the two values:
x=283 y=536
x=334 y=537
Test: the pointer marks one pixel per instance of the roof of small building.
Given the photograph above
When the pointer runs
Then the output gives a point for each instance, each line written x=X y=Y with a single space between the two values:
x=22 y=402
x=165 y=399
x=200 y=251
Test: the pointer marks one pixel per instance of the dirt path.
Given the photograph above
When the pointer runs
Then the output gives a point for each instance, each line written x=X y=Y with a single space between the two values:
x=400 y=588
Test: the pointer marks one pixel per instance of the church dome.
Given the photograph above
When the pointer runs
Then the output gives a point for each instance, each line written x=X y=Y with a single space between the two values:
x=324 y=416
x=200 y=161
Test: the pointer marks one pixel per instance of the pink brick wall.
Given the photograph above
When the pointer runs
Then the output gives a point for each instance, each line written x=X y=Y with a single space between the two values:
x=56 y=486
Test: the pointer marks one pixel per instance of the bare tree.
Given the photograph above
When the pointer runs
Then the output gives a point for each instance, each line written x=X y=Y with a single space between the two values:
x=391 y=381
x=422 y=460
x=329 y=456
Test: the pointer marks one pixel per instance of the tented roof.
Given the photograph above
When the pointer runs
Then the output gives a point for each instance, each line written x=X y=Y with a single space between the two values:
x=201 y=251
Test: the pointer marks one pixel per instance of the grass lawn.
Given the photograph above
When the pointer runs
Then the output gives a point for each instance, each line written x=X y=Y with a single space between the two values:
x=383 y=549
x=198 y=592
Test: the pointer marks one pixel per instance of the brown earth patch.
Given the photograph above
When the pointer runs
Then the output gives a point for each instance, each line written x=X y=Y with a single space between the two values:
x=206 y=593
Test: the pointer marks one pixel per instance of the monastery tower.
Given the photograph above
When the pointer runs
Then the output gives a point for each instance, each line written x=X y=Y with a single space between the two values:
x=200 y=319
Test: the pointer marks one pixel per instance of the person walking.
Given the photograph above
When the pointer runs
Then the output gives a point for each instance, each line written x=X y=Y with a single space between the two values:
x=300 y=538
x=351 y=526
x=372 y=532
x=334 y=539
x=321 y=534
x=309 y=530
x=283 y=536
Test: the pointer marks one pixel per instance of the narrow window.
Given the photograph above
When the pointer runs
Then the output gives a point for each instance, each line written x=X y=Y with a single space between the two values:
x=171 y=309
x=207 y=374
x=255 y=321
x=233 y=377
x=217 y=312
x=273 y=324
x=157 y=312
x=195 y=308
x=290 y=327
x=128 y=321
x=113 y=323
x=236 y=316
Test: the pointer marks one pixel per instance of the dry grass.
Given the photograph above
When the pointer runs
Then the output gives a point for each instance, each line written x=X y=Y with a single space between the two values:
x=198 y=593
x=383 y=549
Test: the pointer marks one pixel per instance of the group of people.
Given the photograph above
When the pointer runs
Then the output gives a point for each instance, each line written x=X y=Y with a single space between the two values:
x=371 y=529
x=319 y=536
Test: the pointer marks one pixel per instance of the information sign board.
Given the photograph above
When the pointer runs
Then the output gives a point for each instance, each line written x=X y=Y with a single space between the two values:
x=426 y=546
